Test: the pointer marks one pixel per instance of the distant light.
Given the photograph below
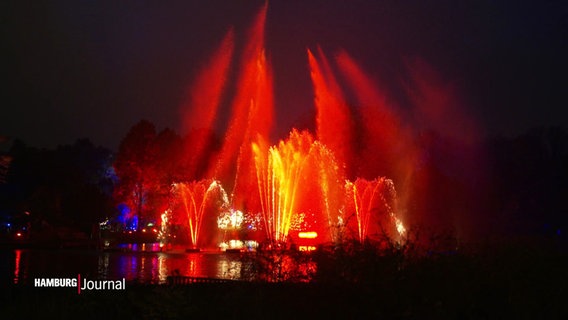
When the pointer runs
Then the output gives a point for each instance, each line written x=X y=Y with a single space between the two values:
x=150 y=224
x=18 y=234
x=154 y=230
x=8 y=224
x=306 y=248
x=143 y=230
x=308 y=235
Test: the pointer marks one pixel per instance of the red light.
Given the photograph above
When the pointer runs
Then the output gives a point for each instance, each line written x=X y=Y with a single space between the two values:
x=154 y=230
x=308 y=235
x=18 y=234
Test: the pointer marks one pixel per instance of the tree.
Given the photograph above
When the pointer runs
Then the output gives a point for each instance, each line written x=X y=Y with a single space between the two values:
x=168 y=146
x=71 y=185
x=135 y=166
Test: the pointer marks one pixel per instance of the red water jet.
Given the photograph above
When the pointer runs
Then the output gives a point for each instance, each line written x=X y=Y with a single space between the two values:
x=333 y=120
x=200 y=110
x=252 y=108
x=301 y=184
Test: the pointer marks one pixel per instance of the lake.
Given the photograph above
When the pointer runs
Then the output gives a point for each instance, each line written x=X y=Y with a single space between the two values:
x=21 y=266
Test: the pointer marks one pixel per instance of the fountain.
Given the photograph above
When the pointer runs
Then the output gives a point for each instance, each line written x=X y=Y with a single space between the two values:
x=299 y=187
x=373 y=203
x=196 y=201
x=297 y=175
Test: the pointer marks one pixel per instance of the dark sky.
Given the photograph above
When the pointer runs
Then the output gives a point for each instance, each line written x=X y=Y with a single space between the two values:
x=78 y=68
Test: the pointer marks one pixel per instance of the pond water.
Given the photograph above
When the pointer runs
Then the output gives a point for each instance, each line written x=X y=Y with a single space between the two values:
x=21 y=266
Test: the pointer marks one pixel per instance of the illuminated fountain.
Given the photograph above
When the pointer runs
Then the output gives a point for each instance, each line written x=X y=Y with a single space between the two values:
x=298 y=179
x=196 y=201
x=373 y=204
x=299 y=186
x=297 y=175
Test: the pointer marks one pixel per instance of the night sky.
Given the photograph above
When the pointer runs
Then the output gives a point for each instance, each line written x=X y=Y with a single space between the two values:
x=78 y=68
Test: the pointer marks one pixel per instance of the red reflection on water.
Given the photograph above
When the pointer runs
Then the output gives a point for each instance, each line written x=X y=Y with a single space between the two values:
x=156 y=267
x=17 y=265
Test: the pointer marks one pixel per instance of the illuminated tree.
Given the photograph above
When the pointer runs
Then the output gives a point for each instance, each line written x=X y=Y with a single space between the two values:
x=135 y=167
x=167 y=169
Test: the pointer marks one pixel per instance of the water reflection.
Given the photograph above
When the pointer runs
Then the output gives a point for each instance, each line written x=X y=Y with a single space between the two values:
x=17 y=265
x=162 y=269
x=229 y=269
x=143 y=266
x=103 y=266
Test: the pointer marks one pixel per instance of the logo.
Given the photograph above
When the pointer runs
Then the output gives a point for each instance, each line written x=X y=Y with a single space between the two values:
x=85 y=285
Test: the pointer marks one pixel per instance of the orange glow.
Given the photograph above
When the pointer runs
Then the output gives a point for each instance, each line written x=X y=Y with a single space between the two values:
x=195 y=197
x=374 y=205
x=400 y=228
x=252 y=108
x=205 y=93
x=382 y=127
x=200 y=109
x=306 y=248
x=333 y=118
x=308 y=235
x=301 y=182
x=297 y=175
x=18 y=234
x=278 y=171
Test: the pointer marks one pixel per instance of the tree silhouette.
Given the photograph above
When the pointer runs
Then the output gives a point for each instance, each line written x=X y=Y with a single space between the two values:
x=135 y=167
